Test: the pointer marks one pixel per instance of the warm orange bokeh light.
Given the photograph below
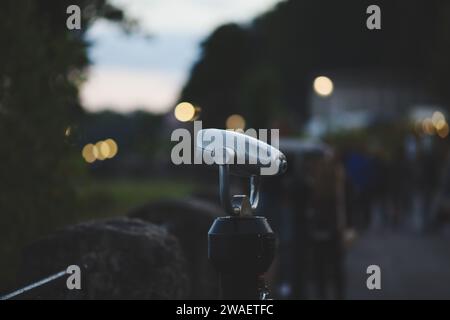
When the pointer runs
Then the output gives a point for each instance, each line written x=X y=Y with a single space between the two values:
x=235 y=122
x=186 y=112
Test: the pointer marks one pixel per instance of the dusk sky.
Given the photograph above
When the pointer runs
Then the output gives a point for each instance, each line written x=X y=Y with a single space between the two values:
x=135 y=72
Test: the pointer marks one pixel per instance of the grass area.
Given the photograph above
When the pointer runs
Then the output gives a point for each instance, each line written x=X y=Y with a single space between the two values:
x=107 y=198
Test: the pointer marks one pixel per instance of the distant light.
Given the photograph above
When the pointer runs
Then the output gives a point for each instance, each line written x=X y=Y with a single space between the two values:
x=427 y=126
x=88 y=153
x=235 y=121
x=439 y=125
x=113 y=148
x=323 y=86
x=96 y=152
x=185 y=112
x=68 y=131
x=103 y=150
x=100 y=151
x=437 y=117
x=443 y=132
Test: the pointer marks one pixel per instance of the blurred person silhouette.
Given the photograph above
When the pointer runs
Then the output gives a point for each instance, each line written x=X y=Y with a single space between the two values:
x=306 y=209
x=328 y=222
x=276 y=206
x=298 y=196
x=361 y=171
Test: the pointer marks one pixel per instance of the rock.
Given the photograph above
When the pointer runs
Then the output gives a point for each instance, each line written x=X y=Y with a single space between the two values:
x=189 y=220
x=120 y=258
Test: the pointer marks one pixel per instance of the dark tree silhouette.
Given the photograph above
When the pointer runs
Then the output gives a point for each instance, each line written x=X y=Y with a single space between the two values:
x=265 y=70
x=41 y=67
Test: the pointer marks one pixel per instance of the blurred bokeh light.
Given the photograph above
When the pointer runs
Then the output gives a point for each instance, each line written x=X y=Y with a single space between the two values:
x=235 y=122
x=102 y=150
x=186 y=112
x=323 y=86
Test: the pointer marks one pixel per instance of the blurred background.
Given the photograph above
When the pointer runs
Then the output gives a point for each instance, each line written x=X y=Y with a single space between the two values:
x=86 y=118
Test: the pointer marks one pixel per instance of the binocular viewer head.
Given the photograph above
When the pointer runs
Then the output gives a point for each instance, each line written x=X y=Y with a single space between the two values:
x=244 y=155
x=241 y=246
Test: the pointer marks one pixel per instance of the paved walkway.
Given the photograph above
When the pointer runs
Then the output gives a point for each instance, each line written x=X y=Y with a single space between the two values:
x=413 y=266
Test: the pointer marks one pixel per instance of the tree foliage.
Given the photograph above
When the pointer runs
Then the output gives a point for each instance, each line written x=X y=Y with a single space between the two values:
x=41 y=67
x=265 y=70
